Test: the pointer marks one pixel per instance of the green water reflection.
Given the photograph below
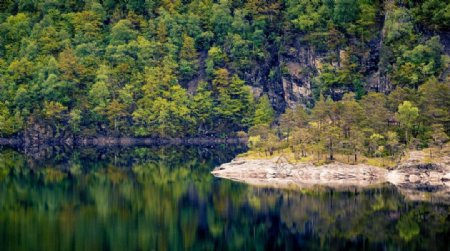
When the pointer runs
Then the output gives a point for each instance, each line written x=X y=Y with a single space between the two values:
x=164 y=198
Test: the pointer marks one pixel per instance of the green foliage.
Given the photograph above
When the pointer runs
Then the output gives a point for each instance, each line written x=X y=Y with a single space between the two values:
x=122 y=32
x=201 y=108
x=352 y=127
x=183 y=68
x=163 y=116
x=432 y=13
x=235 y=103
x=188 y=59
x=438 y=135
x=264 y=113
x=9 y=123
x=399 y=26
x=420 y=63
x=376 y=142
x=407 y=115
x=375 y=104
x=392 y=142
x=216 y=59
x=164 y=110
x=345 y=11
x=99 y=95
x=254 y=141
x=308 y=15
x=14 y=29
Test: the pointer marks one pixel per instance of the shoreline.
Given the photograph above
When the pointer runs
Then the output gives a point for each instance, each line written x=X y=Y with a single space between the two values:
x=130 y=141
x=415 y=179
x=121 y=141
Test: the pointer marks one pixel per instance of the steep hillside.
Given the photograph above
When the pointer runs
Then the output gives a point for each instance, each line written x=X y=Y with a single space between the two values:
x=163 y=68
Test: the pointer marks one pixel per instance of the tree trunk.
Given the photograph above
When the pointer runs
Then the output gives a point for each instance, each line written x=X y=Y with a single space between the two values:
x=331 y=150
x=406 y=137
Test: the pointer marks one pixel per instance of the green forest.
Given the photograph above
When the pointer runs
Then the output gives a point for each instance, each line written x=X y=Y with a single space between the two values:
x=355 y=75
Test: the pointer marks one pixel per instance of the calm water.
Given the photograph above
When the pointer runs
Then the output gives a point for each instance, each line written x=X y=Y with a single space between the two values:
x=164 y=198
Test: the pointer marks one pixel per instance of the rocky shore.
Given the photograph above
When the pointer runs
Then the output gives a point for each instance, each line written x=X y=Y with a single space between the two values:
x=130 y=141
x=9 y=141
x=39 y=134
x=35 y=142
x=416 y=179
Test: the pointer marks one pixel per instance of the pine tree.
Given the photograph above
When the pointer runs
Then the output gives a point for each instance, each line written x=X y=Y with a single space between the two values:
x=188 y=59
x=264 y=113
x=407 y=115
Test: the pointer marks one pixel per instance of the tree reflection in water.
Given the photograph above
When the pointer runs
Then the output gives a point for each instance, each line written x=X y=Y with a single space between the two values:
x=164 y=198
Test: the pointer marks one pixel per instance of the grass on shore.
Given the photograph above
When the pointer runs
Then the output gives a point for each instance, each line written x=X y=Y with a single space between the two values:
x=319 y=160
x=428 y=155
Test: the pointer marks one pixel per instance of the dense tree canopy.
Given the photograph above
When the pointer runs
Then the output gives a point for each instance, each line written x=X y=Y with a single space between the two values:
x=200 y=67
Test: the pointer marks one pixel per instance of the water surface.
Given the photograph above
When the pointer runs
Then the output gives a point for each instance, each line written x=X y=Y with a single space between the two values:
x=164 y=198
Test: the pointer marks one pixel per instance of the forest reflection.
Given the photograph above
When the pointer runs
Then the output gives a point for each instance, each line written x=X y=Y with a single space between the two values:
x=164 y=198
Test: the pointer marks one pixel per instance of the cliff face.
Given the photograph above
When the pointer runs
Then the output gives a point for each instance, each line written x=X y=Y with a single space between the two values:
x=299 y=63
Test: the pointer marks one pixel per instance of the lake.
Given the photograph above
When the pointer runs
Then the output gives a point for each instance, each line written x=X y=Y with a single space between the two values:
x=164 y=198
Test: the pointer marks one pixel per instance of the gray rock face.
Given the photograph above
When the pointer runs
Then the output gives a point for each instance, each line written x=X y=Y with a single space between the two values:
x=300 y=64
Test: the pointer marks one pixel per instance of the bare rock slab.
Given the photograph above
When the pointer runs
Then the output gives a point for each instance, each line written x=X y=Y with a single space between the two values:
x=417 y=181
x=273 y=172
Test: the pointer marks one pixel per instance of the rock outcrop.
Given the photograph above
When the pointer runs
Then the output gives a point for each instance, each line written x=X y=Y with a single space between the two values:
x=417 y=181
x=277 y=172
x=38 y=135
